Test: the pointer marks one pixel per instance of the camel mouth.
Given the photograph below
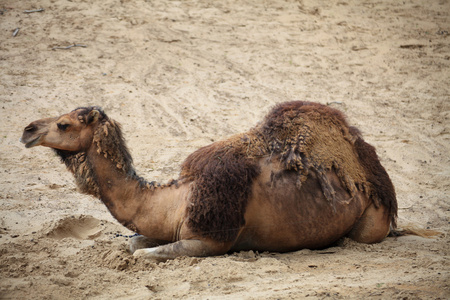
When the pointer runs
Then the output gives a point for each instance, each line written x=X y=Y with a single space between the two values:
x=32 y=143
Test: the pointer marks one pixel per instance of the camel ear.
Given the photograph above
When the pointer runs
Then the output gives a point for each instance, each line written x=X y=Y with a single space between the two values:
x=92 y=116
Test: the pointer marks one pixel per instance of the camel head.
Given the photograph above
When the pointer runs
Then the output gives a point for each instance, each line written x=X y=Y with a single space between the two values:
x=70 y=132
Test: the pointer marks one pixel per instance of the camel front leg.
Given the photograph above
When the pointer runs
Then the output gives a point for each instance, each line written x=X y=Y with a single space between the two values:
x=196 y=248
x=141 y=242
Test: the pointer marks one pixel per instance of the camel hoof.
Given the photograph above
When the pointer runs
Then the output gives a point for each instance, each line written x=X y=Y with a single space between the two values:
x=144 y=252
x=143 y=242
x=150 y=254
x=136 y=244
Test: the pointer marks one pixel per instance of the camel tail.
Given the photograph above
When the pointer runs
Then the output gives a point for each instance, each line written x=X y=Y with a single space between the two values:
x=383 y=192
x=413 y=230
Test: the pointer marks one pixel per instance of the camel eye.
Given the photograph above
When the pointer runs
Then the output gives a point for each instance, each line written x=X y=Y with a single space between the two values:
x=62 y=127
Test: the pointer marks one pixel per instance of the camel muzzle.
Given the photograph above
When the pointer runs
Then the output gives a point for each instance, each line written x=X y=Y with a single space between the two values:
x=31 y=137
x=33 y=133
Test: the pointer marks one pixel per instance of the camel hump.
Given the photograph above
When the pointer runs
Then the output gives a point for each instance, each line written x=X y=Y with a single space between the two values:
x=320 y=130
x=292 y=110
x=313 y=137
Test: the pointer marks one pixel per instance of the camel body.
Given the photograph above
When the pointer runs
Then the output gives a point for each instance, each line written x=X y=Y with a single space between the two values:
x=302 y=178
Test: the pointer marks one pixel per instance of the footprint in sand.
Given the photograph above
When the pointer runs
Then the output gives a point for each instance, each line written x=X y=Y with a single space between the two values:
x=78 y=227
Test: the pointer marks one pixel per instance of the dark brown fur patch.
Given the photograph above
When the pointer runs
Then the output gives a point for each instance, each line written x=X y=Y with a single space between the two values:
x=222 y=181
x=82 y=171
x=382 y=191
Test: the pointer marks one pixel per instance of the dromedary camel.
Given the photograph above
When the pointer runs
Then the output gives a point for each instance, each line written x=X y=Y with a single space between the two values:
x=302 y=178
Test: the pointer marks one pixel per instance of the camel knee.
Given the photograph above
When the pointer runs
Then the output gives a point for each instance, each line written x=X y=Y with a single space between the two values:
x=372 y=227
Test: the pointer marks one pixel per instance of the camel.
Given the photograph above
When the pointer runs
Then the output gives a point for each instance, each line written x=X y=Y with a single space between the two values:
x=301 y=178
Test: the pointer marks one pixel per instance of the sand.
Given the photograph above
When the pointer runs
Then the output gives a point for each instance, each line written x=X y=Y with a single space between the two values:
x=180 y=74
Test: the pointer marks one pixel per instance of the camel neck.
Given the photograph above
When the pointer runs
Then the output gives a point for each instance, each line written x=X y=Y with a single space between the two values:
x=140 y=206
x=106 y=171
x=121 y=190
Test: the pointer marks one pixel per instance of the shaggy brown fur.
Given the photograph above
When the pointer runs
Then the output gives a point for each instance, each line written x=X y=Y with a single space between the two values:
x=382 y=191
x=305 y=137
x=222 y=180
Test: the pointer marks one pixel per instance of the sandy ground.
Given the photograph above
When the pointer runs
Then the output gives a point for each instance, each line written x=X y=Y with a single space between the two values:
x=180 y=74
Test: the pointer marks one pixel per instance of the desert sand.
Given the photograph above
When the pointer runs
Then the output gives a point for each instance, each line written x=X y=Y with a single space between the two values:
x=180 y=74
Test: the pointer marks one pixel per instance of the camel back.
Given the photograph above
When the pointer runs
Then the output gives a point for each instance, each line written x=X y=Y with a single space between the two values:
x=306 y=137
